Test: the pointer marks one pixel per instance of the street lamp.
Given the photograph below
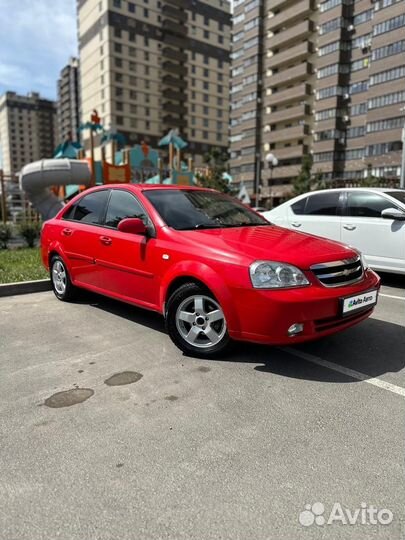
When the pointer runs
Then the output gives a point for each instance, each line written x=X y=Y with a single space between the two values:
x=272 y=162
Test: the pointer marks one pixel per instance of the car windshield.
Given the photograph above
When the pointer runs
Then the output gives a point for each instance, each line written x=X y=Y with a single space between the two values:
x=193 y=209
x=399 y=195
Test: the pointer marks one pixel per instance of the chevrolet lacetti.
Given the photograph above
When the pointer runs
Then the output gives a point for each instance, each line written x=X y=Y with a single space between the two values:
x=216 y=270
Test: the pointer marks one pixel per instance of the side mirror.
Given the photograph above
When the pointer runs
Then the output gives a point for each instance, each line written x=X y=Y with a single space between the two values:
x=393 y=213
x=132 y=226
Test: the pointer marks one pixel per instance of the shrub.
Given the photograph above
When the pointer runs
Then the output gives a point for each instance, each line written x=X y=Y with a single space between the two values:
x=5 y=235
x=30 y=232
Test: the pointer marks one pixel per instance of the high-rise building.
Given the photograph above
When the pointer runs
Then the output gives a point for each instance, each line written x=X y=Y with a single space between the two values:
x=148 y=67
x=27 y=130
x=68 y=102
x=324 y=79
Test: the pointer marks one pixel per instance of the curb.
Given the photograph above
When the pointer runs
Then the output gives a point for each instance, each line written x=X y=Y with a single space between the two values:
x=25 y=287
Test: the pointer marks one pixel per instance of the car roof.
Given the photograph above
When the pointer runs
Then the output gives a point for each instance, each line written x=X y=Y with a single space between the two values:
x=144 y=187
x=365 y=188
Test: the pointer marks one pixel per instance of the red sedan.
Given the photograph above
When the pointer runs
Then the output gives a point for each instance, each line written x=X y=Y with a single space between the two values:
x=216 y=270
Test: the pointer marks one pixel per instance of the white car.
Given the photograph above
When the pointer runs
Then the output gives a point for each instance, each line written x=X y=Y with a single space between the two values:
x=369 y=219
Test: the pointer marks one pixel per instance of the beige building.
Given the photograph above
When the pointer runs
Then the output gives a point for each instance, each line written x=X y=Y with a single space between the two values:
x=27 y=130
x=147 y=67
x=325 y=79
x=69 y=102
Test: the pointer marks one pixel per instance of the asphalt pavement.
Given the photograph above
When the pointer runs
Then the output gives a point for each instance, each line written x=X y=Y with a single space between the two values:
x=108 y=432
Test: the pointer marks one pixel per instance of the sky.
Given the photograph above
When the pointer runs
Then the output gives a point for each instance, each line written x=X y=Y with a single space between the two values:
x=37 y=39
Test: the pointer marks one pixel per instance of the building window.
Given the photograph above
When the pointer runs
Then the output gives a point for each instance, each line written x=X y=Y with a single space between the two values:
x=383 y=125
x=388 y=26
x=389 y=50
x=363 y=17
x=389 y=75
x=117 y=4
x=131 y=7
x=387 y=99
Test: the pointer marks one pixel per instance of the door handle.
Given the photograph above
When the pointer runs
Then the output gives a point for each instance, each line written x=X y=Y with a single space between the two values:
x=106 y=240
x=349 y=227
x=67 y=232
x=296 y=224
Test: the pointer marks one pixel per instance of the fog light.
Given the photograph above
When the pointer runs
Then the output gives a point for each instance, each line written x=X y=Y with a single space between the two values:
x=295 y=329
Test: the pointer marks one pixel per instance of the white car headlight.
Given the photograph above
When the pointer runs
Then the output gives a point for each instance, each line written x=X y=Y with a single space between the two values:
x=276 y=275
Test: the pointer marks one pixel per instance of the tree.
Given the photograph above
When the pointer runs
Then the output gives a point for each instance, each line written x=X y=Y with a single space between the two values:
x=370 y=180
x=304 y=181
x=216 y=162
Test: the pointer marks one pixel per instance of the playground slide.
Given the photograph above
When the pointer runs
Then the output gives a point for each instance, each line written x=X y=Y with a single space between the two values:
x=36 y=178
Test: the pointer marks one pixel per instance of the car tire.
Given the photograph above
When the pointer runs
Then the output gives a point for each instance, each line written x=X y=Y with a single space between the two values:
x=196 y=323
x=61 y=283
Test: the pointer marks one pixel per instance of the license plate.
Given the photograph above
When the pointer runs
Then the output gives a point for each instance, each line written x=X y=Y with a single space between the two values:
x=365 y=300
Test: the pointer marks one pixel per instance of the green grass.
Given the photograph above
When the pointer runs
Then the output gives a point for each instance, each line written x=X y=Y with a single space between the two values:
x=21 y=265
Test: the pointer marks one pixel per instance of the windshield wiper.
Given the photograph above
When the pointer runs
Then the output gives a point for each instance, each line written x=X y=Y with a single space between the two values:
x=200 y=226
x=246 y=225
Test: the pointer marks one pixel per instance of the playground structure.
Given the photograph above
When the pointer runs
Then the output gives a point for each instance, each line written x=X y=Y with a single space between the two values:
x=48 y=182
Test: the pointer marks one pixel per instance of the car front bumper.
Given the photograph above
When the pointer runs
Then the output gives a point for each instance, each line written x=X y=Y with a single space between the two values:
x=265 y=316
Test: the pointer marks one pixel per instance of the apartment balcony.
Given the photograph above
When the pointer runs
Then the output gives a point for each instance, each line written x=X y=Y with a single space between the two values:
x=287 y=171
x=178 y=3
x=297 y=32
x=173 y=95
x=276 y=4
x=293 y=54
x=298 y=11
x=174 y=13
x=168 y=52
x=174 y=121
x=173 y=27
x=289 y=152
x=289 y=75
x=176 y=69
x=288 y=134
x=176 y=41
x=291 y=113
x=302 y=92
x=324 y=146
x=174 y=108
x=168 y=80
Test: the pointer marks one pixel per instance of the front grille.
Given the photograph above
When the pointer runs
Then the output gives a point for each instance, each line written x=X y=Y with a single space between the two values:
x=339 y=273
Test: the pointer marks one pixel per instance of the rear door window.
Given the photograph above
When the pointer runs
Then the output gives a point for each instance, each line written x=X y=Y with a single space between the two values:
x=323 y=204
x=90 y=208
x=299 y=207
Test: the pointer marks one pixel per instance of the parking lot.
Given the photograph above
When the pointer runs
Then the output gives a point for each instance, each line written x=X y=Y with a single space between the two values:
x=175 y=447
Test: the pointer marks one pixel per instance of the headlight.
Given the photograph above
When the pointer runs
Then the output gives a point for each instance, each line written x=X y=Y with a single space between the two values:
x=276 y=275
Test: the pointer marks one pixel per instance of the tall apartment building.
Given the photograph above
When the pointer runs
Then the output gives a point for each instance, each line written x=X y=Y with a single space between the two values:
x=325 y=79
x=68 y=102
x=149 y=66
x=27 y=130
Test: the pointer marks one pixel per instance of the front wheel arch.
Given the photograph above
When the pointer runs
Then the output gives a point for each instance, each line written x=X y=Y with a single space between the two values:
x=191 y=272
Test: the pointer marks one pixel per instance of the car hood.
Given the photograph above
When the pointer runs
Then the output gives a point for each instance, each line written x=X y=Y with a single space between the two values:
x=270 y=243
